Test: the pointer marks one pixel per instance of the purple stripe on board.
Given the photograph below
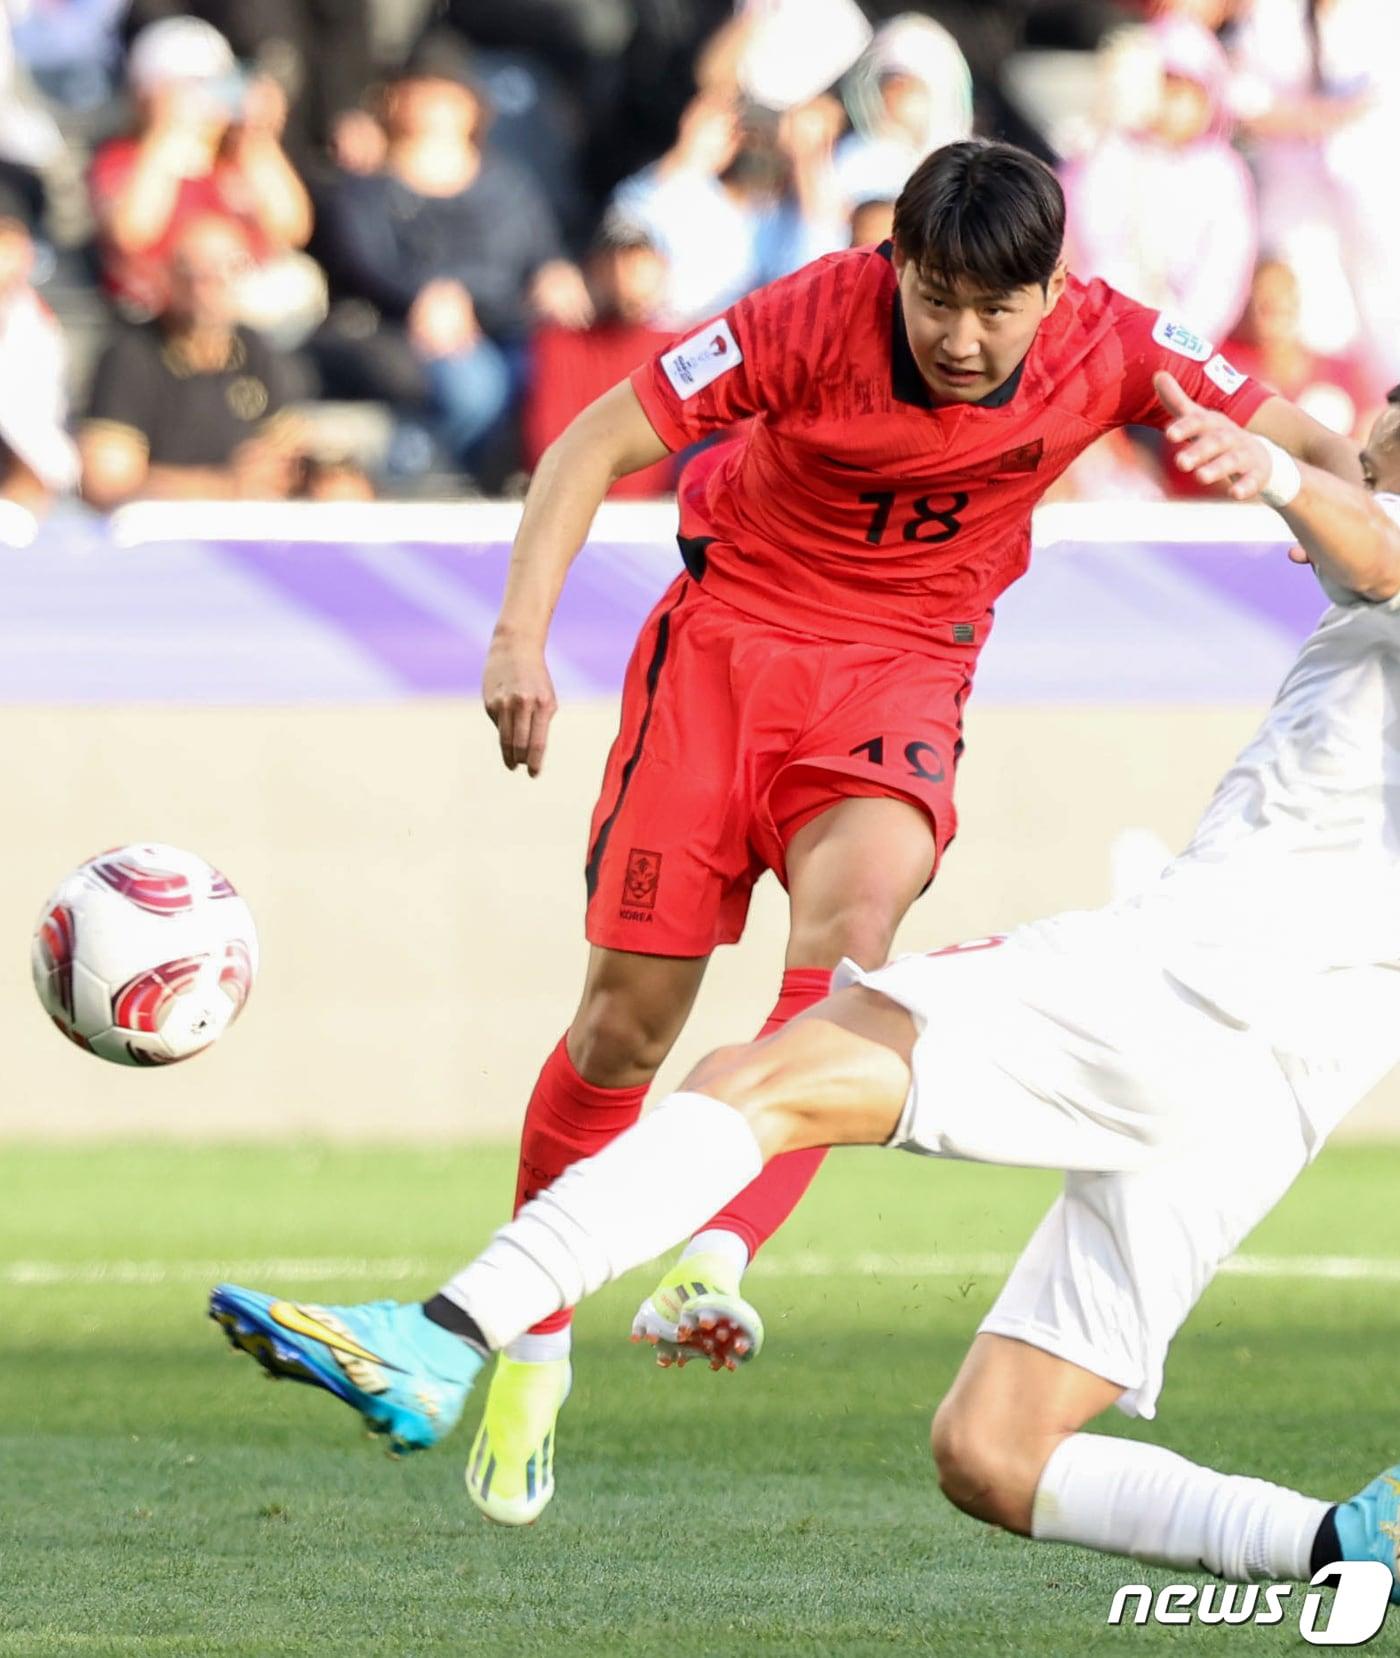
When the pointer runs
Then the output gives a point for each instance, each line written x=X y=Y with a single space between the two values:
x=609 y=594
x=422 y=650
x=1256 y=578
x=479 y=567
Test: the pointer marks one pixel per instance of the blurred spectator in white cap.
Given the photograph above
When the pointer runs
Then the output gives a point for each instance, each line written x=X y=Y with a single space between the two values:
x=570 y=367
x=318 y=52
x=439 y=263
x=37 y=457
x=192 y=405
x=743 y=196
x=206 y=141
x=1163 y=208
x=910 y=94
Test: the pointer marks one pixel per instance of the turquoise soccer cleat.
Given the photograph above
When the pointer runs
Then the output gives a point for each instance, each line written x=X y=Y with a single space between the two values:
x=1368 y=1527
x=407 y=1376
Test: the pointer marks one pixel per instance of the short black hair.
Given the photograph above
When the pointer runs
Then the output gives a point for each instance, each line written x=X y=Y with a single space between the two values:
x=619 y=233
x=1393 y=395
x=982 y=212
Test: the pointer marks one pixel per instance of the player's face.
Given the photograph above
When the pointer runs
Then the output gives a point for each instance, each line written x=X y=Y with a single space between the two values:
x=968 y=342
x=1380 y=459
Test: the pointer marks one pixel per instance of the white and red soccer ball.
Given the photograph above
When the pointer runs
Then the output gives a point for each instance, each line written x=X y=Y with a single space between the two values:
x=144 y=955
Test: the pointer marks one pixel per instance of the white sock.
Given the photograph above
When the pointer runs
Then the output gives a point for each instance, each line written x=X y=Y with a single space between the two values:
x=1144 y=1501
x=640 y=1195
x=543 y=1348
x=729 y=1246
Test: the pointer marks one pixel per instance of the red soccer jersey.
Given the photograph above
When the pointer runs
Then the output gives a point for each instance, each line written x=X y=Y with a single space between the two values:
x=856 y=507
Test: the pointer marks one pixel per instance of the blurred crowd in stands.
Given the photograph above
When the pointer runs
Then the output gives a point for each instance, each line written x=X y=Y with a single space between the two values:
x=331 y=249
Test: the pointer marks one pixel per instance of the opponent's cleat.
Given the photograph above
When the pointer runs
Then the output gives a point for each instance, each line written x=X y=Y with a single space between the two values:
x=1368 y=1527
x=705 y=1278
x=407 y=1376
x=510 y=1470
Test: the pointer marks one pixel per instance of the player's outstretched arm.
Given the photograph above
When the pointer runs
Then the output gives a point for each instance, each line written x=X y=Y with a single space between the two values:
x=1346 y=534
x=1306 y=439
x=611 y=438
x=1341 y=529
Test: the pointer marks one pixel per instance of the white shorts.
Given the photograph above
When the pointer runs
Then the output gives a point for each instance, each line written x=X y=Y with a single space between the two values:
x=1066 y=1047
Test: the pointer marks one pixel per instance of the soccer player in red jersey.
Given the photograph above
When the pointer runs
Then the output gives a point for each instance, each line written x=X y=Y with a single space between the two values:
x=795 y=700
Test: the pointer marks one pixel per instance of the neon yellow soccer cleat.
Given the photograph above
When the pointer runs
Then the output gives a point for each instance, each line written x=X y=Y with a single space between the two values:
x=696 y=1311
x=510 y=1471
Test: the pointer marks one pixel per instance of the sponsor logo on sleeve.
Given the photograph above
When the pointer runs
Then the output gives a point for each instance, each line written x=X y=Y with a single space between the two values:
x=697 y=362
x=1225 y=375
x=1176 y=336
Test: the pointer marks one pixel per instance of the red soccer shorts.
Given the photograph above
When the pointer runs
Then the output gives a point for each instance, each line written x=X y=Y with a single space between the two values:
x=734 y=734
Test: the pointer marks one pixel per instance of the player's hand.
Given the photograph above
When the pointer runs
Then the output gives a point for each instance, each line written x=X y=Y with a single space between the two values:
x=707 y=139
x=519 y=697
x=442 y=319
x=559 y=294
x=1211 y=446
x=264 y=108
x=358 y=143
x=263 y=469
x=807 y=132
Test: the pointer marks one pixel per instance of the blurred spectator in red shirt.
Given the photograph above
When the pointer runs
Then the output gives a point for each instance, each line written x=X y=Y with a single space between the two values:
x=206 y=141
x=569 y=367
x=1339 y=392
x=1336 y=391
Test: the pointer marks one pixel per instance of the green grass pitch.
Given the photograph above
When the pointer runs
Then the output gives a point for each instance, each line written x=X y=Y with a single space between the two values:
x=158 y=1496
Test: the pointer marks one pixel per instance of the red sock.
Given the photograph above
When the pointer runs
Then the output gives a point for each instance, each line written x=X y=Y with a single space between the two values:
x=765 y=1203
x=566 y=1119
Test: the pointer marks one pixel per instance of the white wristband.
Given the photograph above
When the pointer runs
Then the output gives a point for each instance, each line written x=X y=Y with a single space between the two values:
x=1284 y=480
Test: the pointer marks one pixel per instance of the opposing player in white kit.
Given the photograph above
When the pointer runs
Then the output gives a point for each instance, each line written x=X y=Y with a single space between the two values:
x=1182 y=1056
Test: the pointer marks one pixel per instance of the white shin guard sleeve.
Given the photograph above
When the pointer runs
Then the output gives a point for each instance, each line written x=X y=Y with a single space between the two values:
x=1125 y=1497
x=646 y=1191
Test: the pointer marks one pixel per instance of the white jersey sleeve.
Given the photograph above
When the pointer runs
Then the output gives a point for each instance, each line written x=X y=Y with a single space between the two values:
x=1390 y=505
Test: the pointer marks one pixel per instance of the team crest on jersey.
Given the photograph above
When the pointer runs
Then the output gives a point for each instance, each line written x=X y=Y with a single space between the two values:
x=1176 y=336
x=697 y=362
x=1224 y=374
x=1026 y=458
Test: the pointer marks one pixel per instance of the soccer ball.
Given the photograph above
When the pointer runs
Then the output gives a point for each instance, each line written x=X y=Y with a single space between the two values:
x=144 y=955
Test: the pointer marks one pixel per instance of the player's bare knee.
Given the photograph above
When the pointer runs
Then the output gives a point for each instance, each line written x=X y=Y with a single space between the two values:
x=755 y=1078
x=861 y=926
x=980 y=1466
x=612 y=1042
